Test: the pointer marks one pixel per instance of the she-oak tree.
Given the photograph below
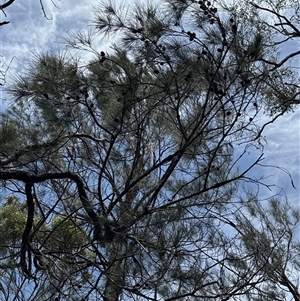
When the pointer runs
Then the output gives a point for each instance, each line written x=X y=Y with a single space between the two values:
x=124 y=171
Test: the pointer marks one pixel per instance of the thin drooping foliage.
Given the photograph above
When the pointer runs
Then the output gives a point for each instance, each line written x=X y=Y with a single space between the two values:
x=126 y=174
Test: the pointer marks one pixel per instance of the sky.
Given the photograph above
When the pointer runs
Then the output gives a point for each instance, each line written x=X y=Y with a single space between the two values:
x=29 y=31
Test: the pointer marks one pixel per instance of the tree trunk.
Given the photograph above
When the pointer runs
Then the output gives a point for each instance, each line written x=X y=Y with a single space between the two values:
x=114 y=274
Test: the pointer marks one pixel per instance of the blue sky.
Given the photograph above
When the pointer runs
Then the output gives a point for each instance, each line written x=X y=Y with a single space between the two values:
x=29 y=31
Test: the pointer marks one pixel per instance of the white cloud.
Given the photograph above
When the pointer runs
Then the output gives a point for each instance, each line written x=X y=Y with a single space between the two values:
x=283 y=150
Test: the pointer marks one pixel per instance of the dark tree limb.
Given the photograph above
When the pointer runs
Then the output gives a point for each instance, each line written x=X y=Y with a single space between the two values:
x=8 y=3
x=4 y=23
x=25 y=247
x=43 y=9
x=31 y=179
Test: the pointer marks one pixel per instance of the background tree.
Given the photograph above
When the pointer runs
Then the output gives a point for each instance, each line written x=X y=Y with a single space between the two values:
x=130 y=163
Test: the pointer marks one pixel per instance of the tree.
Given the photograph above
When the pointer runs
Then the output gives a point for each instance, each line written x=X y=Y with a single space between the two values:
x=269 y=244
x=280 y=22
x=129 y=163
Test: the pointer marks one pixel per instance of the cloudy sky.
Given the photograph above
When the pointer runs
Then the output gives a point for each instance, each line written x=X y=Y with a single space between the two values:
x=29 y=31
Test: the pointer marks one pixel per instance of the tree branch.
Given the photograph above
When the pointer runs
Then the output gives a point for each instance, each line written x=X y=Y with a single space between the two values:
x=8 y=3
x=27 y=178
x=25 y=247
